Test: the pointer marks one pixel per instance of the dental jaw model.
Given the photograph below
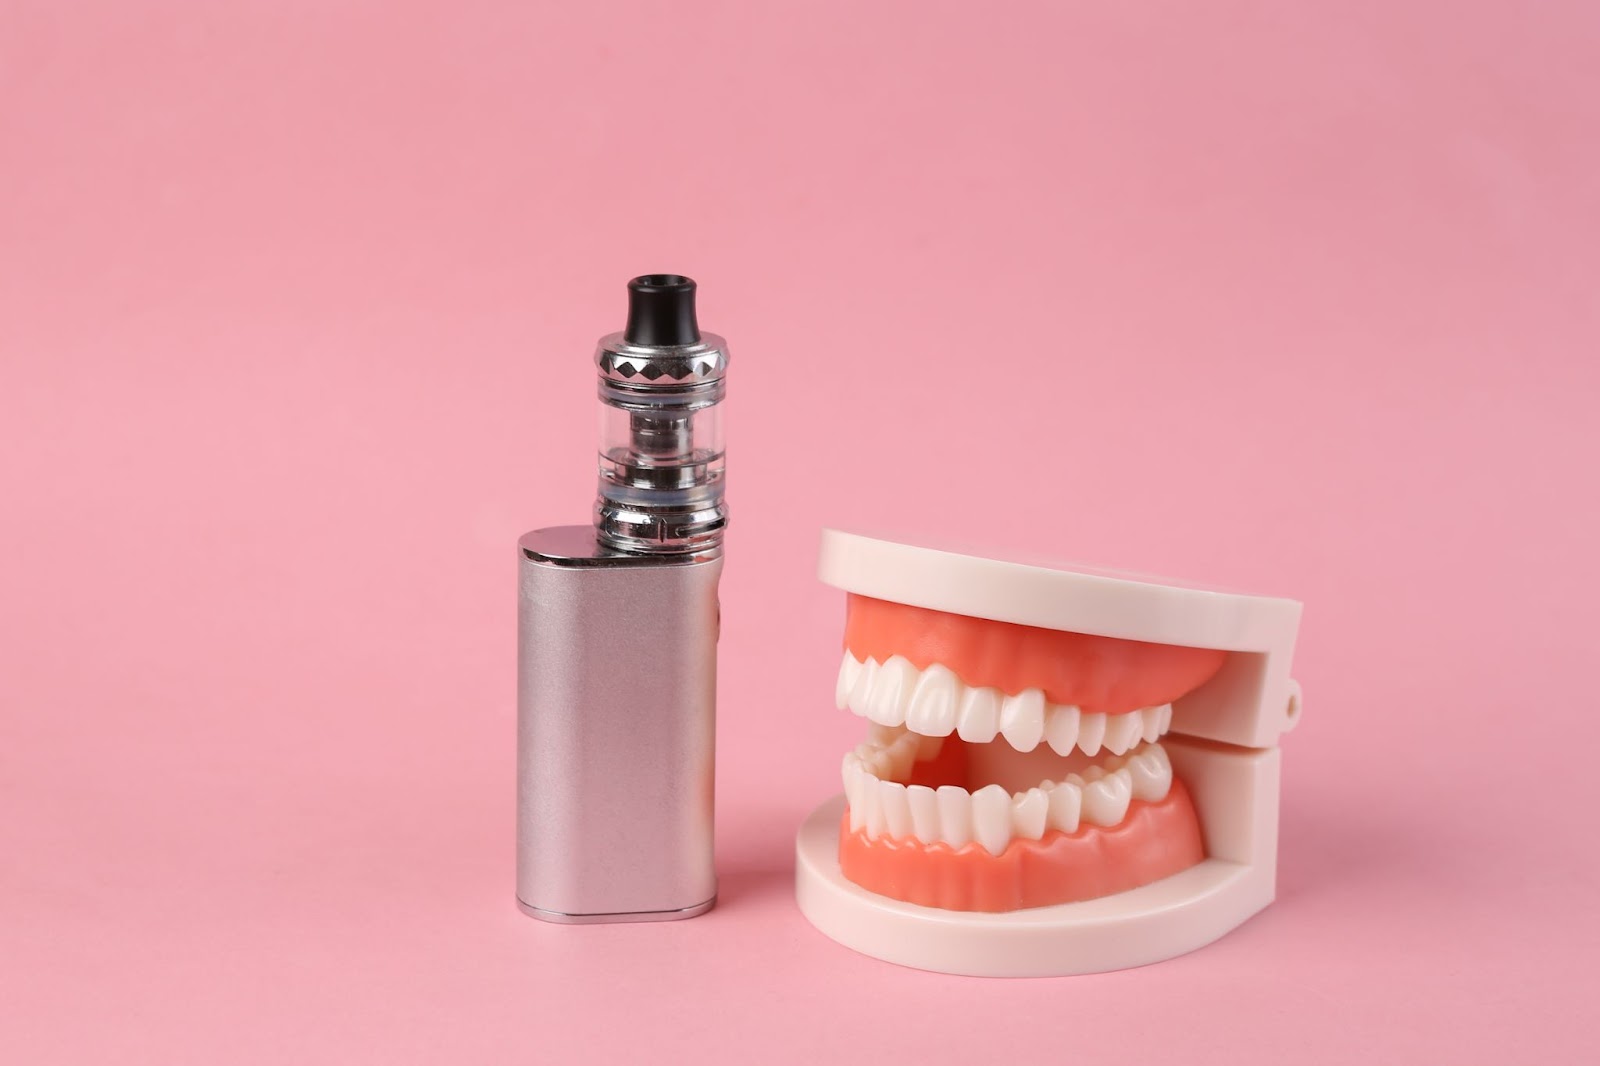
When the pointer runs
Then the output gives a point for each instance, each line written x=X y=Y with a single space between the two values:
x=1064 y=771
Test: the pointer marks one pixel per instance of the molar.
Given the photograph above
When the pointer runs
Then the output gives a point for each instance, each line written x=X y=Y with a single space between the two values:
x=1105 y=802
x=900 y=755
x=1064 y=804
x=1151 y=774
x=1028 y=814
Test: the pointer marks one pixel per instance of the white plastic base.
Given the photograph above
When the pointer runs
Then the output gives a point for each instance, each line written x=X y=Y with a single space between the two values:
x=1158 y=921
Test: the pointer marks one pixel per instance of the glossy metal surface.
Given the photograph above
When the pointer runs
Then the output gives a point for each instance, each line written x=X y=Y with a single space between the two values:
x=661 y=490
x=616 y=723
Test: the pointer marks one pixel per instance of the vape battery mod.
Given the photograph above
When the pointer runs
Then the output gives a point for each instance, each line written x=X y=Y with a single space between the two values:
x=617 y=640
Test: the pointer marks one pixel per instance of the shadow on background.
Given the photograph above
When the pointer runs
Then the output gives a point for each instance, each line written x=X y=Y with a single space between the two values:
x=755 y=856
x=742 y=886
x=1325 y=852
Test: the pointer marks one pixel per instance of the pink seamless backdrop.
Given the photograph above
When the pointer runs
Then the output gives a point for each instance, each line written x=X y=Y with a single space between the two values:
x=296 y=308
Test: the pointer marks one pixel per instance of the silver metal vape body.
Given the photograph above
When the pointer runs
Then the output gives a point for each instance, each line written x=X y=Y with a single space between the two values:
x=617 y=641
x=615 y=731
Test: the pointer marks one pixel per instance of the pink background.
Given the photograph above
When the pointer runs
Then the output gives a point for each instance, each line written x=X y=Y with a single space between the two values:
x=296 y=307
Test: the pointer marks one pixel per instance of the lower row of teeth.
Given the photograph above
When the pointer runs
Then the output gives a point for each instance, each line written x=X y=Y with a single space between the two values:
x=993 y=817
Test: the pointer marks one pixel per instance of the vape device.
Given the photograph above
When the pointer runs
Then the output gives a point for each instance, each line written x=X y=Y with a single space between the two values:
x=617 y=640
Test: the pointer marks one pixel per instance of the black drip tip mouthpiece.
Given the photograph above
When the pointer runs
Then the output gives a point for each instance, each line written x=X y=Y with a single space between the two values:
x=661 y=311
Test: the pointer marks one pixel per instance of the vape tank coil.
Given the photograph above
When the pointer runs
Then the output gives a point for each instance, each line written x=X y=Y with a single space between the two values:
x=661 y=453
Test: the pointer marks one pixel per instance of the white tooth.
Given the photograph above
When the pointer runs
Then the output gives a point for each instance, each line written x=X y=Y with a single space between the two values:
x=1151 y=774
x=891 y=691
x=1028 y=812
x=1159 y=754
x=955 y=815
x=896 y=815
x=1105 y=802
x=929 y=748
x=932 y=711
x=861 y=688
x=924 y=805
x=991 y=818
x=881 y=766
x=978 y=717
x=1152 y=724
x=1166 y=718
x=1093 y=773
x=1061 y=728
x=883 y=735
x=874 y=760
x=1123 y=731
x=852 y=789
x=1091 y=733
x=872 y=808
x=1065 y=805
x=848 y=669
x=1022 y=719
x=900 y=755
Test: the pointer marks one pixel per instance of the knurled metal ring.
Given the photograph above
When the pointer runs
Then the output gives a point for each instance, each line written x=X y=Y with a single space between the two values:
x=643 y=366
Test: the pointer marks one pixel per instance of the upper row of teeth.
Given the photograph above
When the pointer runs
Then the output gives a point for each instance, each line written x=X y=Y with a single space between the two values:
x=935 y=702
x=1100 y=796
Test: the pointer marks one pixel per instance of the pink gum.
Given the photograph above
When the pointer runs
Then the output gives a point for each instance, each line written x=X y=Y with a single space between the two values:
x=1101 y=674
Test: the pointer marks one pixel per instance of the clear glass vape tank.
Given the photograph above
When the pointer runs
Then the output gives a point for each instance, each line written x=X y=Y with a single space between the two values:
x=661 y=451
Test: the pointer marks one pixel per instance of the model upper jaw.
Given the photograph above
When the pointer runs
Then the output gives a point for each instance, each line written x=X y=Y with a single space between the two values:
x=1010 y=766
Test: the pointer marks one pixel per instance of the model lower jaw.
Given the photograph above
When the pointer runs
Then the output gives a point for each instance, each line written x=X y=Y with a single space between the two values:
x=1155 y=840
x=1040 y=829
